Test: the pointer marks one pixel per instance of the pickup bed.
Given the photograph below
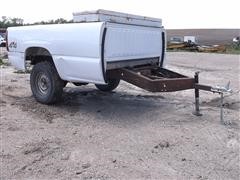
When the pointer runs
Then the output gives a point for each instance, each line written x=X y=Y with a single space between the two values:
x=84 y=51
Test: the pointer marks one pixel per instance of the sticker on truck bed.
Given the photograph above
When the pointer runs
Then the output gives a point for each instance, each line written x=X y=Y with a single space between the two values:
x=13 y=44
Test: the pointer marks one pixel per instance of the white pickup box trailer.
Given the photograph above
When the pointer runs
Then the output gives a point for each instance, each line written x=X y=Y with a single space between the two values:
x=87 y=50
x=101 y=47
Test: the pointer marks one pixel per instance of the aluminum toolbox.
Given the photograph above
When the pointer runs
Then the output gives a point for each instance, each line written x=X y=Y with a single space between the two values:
x=115 y=17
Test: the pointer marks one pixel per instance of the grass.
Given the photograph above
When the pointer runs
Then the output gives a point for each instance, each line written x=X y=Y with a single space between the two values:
x=233 y=49
x=4 y=62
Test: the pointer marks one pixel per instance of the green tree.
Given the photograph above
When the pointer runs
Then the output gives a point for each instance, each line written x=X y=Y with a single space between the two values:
x=9 y=22
x=57 y=21
x=6 y=22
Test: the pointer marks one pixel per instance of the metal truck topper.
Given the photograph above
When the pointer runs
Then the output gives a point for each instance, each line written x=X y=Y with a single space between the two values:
x=115 y=17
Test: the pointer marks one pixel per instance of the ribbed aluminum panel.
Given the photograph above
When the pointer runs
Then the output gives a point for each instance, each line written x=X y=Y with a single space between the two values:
x=126 y=42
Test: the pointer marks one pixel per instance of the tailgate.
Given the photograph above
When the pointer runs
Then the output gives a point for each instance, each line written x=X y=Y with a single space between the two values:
x=129 y=45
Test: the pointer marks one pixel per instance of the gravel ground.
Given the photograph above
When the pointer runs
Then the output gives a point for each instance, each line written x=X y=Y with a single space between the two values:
x=127 y=134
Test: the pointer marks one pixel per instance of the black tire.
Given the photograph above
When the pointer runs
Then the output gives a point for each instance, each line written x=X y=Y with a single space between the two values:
x=46 y=85
x=111 y=85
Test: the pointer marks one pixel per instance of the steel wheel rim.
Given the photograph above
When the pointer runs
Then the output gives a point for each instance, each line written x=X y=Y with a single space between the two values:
x=42 y=83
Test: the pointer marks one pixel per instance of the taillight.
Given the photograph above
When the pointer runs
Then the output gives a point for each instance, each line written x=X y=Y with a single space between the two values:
x=7 y=41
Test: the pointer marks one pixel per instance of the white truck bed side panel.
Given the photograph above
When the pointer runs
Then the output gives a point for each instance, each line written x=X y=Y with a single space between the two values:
x=89 y=70
x=126 y=42
x=16 y=59
x=75 y=48
x=77 y=39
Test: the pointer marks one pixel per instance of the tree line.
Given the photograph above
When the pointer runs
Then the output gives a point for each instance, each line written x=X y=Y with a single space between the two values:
x=6 y=22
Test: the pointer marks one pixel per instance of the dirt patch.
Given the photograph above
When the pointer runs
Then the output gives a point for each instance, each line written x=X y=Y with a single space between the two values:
x=42 y=147
x=127 y=134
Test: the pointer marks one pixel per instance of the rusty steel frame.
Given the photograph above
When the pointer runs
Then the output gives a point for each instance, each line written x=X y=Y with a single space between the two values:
x=153 y=79
x=203 y=87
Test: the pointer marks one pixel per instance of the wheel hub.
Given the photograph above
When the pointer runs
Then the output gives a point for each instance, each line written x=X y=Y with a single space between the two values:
x=43 y=83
